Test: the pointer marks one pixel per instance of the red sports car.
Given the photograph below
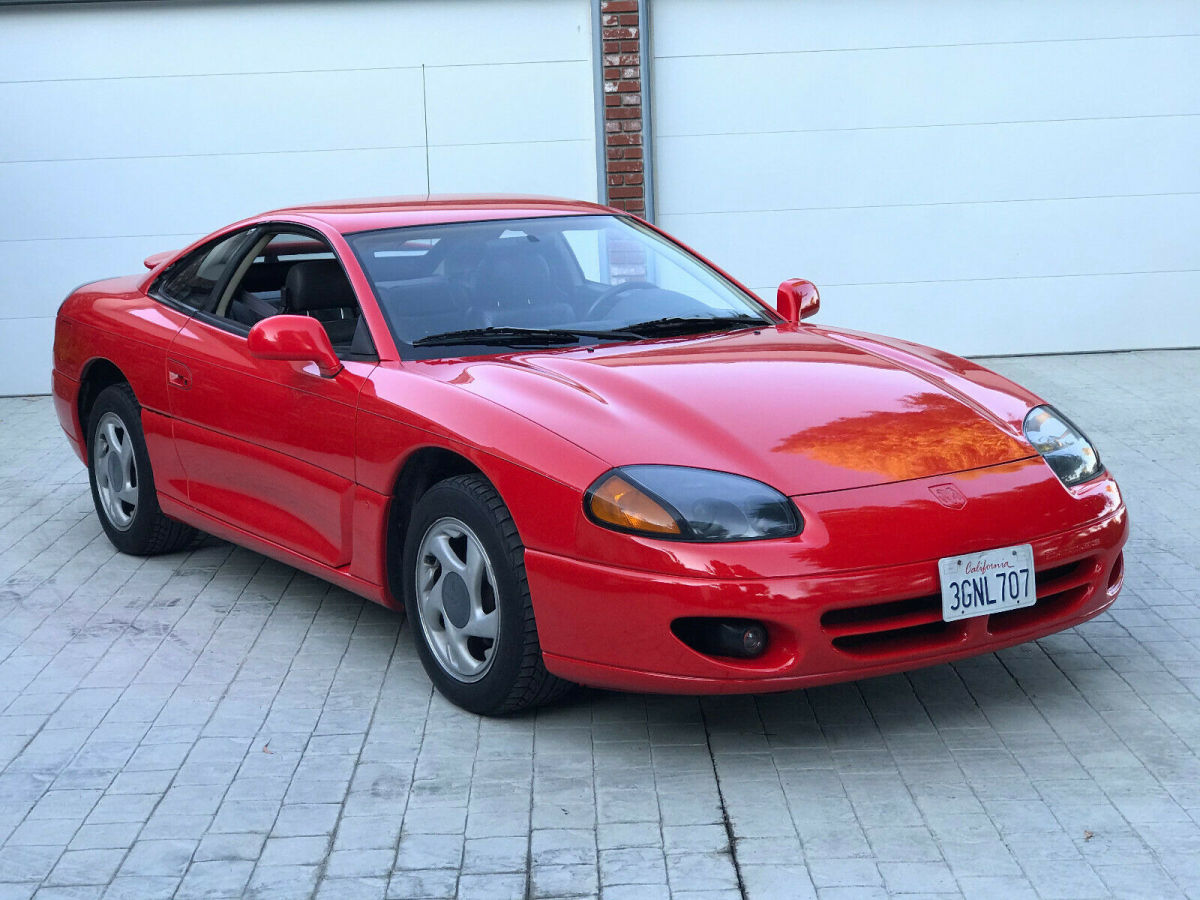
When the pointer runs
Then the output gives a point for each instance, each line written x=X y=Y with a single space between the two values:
x=575 y=451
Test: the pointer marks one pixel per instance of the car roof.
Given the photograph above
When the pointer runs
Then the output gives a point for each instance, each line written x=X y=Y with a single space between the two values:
x=348 y=216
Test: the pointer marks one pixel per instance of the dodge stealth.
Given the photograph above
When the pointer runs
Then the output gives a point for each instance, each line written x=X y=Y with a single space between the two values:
x=574 y=451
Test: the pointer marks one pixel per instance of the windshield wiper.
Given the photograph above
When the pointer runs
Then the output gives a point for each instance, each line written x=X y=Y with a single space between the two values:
x=672 y=325
x=507 y=336
x=510 y=336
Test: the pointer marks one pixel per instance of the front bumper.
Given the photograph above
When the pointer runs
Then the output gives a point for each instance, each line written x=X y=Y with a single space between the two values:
x=610 y=626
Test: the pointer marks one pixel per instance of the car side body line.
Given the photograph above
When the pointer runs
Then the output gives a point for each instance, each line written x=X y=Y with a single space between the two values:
x=342 y=577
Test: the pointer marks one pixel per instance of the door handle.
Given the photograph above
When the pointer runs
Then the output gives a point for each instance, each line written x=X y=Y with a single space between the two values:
x=178 y=375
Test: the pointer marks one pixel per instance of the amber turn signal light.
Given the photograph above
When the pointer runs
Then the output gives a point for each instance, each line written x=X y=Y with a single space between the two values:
x=618 y=503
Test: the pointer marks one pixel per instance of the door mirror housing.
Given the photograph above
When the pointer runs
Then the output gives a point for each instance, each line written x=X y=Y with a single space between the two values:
x=296 y=339
x=798 y=299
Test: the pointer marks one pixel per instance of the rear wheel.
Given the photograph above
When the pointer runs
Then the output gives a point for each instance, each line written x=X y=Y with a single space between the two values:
x=122 y=483
x=468 y=601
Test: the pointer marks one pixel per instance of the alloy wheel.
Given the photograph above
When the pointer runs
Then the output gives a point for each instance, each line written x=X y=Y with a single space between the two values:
x=116 y=471
x=456 y=600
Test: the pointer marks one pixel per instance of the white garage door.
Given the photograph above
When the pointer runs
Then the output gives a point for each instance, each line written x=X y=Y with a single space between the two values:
x=131 y=128
x=997 y=177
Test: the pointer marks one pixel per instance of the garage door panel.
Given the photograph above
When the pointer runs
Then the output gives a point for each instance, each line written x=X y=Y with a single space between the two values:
x=214 y=114
x=543 y=168
x=945 y=152
x=485 y=104
x=49 y=269
x=112 y=41
x=926 y=86
x=939 y=243
x=929 y=165
x=177 y=194
x=26 y=359
x=130 y=128
x=702 y=27
x=1036 y=315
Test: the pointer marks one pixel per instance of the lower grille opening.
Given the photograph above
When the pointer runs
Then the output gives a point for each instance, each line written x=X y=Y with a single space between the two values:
x=1047 y=577
x=1049 y=607
x=1117 y=576
x=880 y=613
x=899 y=640
x=1059 y=590
x=914 y=624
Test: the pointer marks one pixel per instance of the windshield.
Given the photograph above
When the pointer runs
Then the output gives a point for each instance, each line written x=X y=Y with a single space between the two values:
x=483 y=287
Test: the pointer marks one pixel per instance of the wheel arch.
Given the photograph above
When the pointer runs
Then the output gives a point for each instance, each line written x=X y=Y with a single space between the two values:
x=97 y=375
x=512 y=676
x=423 y=469
x=546 y=509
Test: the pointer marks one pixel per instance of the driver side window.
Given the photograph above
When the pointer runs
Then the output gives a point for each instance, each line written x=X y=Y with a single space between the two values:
x=296 y=273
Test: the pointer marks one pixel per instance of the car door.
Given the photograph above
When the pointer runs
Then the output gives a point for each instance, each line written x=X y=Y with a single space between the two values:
x=178 y=291
x=267 y=445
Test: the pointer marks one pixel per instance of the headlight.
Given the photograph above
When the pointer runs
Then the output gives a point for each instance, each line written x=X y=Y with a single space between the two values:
x=1070 y=454
x=685 y=504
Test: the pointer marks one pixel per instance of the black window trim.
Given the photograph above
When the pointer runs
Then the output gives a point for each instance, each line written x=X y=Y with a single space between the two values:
x=155 y=292
x=271 y=230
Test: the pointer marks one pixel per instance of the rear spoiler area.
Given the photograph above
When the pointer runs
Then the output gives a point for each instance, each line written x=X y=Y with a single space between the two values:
x=154 y=260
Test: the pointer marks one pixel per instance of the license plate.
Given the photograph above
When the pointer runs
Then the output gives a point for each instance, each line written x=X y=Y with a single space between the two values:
x=978 y=584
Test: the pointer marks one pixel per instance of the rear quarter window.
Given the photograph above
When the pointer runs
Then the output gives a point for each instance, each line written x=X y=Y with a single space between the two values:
x=192 y=281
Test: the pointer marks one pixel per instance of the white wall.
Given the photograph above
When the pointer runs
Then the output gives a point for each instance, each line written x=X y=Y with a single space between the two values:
x=126 y=129
x=1000 y=177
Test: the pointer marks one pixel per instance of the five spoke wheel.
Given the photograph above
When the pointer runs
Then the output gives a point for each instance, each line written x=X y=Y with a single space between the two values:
x=456 y=599
x=123 y=481
x=116 y=471
x=467 y=598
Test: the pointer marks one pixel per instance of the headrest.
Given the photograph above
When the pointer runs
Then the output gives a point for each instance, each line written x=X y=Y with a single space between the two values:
x=514 y=273
x=418 y=296
x=317 y=284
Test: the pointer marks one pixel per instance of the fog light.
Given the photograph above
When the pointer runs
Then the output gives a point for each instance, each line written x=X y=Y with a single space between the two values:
x=754 y=640
x=740 y=638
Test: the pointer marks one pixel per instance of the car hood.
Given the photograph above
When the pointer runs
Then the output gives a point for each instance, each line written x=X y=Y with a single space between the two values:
x=802 y=409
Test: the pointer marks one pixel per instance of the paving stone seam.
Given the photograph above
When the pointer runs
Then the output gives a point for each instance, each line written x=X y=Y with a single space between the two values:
x=730 y=835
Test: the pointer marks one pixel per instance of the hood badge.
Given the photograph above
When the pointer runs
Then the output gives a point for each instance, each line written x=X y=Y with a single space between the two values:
x=948 y=495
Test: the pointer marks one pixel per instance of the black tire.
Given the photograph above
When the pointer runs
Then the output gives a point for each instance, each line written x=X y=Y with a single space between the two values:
x=119 y=464
x=511 y=675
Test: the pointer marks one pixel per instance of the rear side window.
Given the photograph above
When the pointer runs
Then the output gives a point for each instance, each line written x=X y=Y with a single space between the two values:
x=192 y=281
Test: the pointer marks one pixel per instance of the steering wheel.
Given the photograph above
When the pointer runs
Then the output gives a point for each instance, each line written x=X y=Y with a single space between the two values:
x=608 y=298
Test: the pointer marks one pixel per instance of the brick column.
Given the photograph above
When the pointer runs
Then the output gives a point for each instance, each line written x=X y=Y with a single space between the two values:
x=622 y=45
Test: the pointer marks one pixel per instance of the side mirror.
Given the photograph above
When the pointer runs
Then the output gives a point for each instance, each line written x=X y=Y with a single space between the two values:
x=798 y=299
x=294 y=338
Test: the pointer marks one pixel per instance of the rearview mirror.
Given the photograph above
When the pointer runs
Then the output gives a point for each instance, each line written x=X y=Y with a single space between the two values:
x=798 y=299
x=294 y=338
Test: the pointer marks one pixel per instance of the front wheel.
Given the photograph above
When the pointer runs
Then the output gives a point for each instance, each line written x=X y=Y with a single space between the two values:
x=122 y=483
x=468 y=601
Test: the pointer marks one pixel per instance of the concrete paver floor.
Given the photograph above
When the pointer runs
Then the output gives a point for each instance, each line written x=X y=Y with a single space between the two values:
x=217 y=724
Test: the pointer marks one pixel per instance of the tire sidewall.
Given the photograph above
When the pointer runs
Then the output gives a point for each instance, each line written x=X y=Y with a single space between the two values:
x=490 y=693
x=118 y=400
